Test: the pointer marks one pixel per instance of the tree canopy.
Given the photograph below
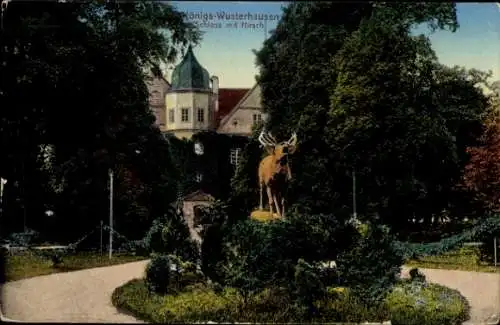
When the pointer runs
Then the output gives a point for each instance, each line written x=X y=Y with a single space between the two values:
x=73 y=77
x=367 y=96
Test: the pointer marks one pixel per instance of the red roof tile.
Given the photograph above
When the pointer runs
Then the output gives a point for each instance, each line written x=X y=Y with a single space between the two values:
x=228 y=98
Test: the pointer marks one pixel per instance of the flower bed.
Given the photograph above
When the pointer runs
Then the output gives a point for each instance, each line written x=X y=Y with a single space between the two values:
x=408 y=303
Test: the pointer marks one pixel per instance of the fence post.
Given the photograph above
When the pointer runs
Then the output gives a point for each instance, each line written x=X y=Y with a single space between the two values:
x=110 y=213
x=495 y=250
x=101 y=237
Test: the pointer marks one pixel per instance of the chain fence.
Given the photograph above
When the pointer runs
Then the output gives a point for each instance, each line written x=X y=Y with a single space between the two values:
x=20 y=243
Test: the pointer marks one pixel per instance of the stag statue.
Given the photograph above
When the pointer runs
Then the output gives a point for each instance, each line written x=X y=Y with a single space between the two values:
x=274 y=171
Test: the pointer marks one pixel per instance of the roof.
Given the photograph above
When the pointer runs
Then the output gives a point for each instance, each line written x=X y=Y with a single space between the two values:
x=189 y=74
x=198 y=196
x=228 y=99
x=236 y=106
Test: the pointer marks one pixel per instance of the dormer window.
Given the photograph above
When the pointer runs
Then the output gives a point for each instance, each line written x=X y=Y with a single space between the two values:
x=257 y=118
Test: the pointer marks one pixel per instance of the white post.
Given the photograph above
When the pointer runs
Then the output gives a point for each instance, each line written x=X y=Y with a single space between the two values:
x=110 y=213
x=495 y=250
x=3 y=181
x=101 y=237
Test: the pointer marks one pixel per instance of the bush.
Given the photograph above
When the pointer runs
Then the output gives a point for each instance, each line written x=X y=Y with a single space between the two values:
x=170 y=235
x=371 y=266
x=416 y=275
x=137 y=247
x=341 y=305
x=25 y=239
x=158 y=274
x=417 y=302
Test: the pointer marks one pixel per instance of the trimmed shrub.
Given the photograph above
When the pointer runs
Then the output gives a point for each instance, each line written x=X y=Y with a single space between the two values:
x=371 y=266
x=158 y=274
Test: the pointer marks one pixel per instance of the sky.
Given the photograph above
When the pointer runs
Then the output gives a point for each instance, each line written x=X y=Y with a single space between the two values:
x=226 y=50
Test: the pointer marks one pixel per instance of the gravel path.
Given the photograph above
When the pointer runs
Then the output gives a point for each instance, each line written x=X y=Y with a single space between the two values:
x=481 y=289
x=81 y=296
x=85 y=296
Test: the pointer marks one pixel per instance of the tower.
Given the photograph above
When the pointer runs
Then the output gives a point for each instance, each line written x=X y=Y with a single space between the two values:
x=189 y=102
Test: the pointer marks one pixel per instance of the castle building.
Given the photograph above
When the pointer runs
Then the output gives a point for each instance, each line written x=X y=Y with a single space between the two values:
x=193 y=102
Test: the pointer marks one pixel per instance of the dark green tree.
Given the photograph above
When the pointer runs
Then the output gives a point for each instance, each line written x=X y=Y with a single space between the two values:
x=299 y=91
x=76 y=72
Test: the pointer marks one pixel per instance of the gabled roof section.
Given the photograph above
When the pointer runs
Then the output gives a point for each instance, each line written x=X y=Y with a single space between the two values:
x=227 y=117
x=198 y=195
x=228 y=99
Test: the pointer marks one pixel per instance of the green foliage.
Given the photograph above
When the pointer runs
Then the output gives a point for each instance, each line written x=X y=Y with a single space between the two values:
x=371 y=266
x=407 y=303
x=484 y=227
x=31 y=264
x=250 y=256
x=135 y=297
x=366 y=84
x=308 y=286
x=111 y=45
x=416 y=275
x=214 y=164
x=346 y=307
x=244 y=184
x=158 y=274
x=170 y=235
x=418 y=302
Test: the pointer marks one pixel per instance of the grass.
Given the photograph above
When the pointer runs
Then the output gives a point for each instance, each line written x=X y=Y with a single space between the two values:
x=409 y=303
x=29 y=265
x=464 y=259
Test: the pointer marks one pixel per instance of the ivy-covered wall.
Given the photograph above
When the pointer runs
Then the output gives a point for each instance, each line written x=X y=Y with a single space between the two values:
x=214 y=164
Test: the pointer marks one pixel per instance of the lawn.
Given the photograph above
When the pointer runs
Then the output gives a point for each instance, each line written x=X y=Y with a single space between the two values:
x=29 y=265
x=465 y=259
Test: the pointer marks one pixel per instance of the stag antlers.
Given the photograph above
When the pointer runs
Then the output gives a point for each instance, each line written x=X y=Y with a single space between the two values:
x=266 y=139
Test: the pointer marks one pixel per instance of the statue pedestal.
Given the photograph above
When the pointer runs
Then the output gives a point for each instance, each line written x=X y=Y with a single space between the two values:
x=263 y=216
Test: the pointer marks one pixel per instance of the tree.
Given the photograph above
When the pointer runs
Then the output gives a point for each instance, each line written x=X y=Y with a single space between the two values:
x=320 y=91
x=481 y=173
x=401 y=121
x=76 y=74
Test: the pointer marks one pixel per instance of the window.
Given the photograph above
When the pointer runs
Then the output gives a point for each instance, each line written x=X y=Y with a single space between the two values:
x=171 y=115
x=257 y=118
x=235 y=156
x=199 y=177
x=185 y=115
x=201 y=115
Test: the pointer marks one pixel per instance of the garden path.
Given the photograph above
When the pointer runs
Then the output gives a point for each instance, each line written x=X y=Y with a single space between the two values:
x=85 y=296
x=81 y=296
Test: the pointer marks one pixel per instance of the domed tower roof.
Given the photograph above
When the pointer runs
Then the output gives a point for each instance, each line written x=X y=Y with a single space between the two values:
x=189 y=74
